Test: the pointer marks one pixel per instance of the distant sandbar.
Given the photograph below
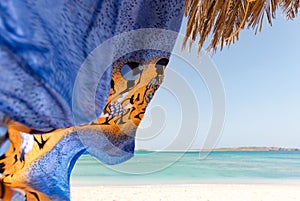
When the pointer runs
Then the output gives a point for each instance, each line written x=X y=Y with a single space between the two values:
x=227 y=149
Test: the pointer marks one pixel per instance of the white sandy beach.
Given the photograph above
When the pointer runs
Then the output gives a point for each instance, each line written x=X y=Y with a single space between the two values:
x=202 y=192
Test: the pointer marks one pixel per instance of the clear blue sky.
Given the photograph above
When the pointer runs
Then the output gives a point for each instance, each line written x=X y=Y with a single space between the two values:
x=261 y=77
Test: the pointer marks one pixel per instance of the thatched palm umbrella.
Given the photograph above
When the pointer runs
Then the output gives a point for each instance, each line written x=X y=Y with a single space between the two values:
x=224 y=19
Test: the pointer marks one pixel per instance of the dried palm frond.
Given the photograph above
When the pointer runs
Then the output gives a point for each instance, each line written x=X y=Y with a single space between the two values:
x=224 y=19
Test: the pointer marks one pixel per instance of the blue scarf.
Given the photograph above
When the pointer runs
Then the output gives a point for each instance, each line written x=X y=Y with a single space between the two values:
x=44 y=45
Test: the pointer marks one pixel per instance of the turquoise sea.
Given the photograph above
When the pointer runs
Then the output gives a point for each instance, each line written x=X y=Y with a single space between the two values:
x=187 y=168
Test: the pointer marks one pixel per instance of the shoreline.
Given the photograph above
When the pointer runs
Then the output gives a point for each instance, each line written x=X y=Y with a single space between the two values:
x=201 y=192
x=90 y=183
